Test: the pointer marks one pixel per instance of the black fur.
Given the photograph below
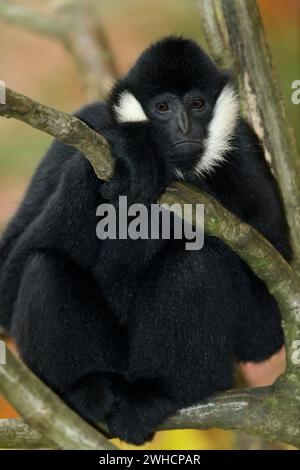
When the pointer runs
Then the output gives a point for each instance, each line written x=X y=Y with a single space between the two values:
x=129 y=331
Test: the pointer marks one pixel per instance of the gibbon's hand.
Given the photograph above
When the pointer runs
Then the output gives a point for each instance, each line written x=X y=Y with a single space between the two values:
x=139 y=172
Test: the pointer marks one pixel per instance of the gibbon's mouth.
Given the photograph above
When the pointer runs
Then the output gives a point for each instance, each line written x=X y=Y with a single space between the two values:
x=187 y=159
x=187 y=142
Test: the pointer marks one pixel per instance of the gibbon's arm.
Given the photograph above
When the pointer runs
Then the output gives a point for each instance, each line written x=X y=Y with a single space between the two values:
x=259 y=192
x=46 y=179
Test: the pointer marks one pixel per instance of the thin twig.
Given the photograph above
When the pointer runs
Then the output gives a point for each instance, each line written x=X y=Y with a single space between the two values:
x=79 y=29
x=31 y=21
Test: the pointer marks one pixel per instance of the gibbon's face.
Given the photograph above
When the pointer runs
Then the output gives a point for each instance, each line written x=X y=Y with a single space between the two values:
x=191 y=106
x=194 y=128
x=180 y=122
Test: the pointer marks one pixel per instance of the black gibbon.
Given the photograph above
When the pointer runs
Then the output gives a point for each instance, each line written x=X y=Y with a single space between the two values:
x=129 y=331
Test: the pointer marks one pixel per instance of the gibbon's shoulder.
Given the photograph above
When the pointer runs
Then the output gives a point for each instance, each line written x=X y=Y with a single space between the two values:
x=96 y=115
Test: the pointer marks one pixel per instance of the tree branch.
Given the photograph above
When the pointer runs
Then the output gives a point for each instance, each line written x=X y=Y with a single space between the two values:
x=16 y=434
x=86 y=41
x=79 y=28
x=44 y=411
x=66 y=128
x=256 y=251
x=265 y=105
x=229 y=410
x=261 y=419
x=214 y=34
x=31 y=21
x=255 y=411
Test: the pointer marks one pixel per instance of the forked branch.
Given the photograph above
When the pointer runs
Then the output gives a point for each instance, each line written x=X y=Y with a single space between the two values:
x=254 y=411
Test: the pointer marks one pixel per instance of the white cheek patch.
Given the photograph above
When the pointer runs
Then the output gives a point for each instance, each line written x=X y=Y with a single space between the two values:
x=129 y=109
x=220 y=130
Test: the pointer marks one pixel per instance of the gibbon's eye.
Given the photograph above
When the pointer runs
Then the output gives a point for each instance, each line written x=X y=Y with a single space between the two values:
x=197 y=104
x=162 y=107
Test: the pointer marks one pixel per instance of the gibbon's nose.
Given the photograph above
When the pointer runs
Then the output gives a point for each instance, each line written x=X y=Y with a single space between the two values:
x=183 y=122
